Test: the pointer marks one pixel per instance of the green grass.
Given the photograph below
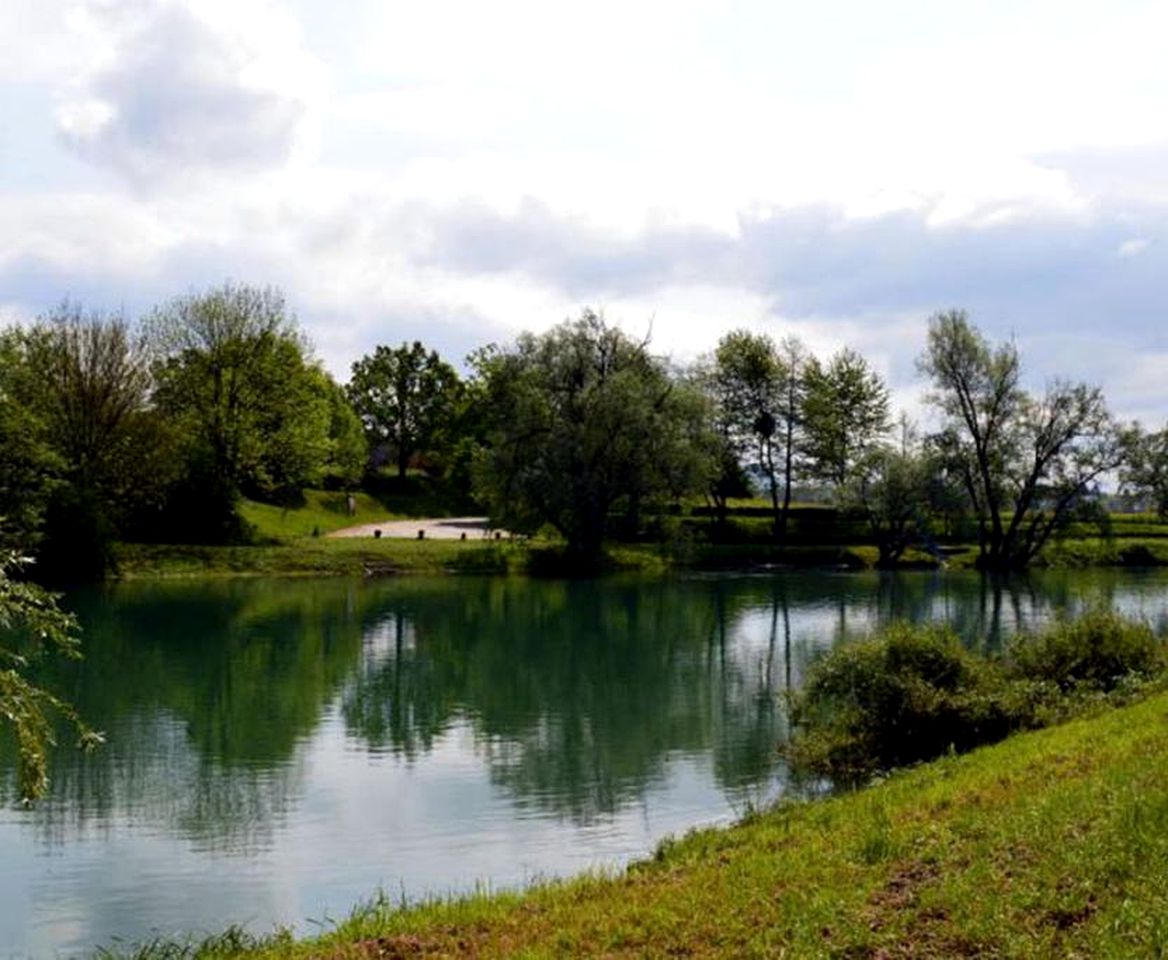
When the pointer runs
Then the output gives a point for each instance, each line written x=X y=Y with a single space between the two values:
x=290 y=541
x=1050 y=844
x=1106 y=552
x=322 y=512
x=319 y=557
x=349 y=557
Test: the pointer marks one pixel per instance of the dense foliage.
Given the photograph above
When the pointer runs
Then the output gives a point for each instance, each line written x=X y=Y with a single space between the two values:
x=157 y=432
x=1145 y=467
x=582 y=419
x=912 y=693
x=405 y=398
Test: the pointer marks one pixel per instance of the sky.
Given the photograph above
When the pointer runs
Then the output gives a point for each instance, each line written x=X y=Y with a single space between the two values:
x=457 y=172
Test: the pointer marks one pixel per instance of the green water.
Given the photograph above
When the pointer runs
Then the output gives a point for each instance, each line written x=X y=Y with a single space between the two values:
x=277 y=750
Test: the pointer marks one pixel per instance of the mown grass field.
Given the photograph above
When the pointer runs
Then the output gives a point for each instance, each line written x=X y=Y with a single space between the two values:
x=1050 y=844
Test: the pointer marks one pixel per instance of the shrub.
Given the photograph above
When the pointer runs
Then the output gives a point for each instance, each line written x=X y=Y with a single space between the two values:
x=910 y=693
x=1096 y=651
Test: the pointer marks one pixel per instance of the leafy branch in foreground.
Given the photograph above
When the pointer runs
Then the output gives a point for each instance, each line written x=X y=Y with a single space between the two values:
x=32 y=626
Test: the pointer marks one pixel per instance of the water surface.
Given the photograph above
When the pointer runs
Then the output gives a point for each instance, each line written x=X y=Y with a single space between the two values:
x=278 y=750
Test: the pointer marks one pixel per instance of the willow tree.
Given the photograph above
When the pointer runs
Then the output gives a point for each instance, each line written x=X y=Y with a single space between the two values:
x=579 y=419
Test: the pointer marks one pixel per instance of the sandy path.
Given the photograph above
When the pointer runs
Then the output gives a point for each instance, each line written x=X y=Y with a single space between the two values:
x=442 y=528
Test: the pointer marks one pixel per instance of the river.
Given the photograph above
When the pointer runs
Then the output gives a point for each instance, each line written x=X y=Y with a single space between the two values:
x=279 y=750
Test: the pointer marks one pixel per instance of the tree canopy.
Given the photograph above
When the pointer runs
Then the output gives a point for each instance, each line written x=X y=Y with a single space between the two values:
x=404 y=397
x=758 y=387
x=1145 y=472
x=256 y=413
x=845 y=416
x=579 y=418
x=78 y=385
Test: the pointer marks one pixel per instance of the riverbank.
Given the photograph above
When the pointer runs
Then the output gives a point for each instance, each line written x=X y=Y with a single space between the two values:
x=324 y=556
x=303 y=541
x=1052 y=843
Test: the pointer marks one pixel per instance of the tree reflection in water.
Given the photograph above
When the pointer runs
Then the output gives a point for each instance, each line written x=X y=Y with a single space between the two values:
x=576 y=697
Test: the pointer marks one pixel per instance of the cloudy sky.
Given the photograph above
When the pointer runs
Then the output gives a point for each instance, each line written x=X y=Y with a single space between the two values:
x=460 y=171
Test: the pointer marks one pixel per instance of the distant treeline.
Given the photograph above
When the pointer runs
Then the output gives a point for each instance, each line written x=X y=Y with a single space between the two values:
x=155 y=430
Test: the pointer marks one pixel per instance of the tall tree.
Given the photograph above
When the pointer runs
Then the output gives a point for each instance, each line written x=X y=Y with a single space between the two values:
x=1145 y=468
x=724 y=449
x=890 y=486
x=29 y=468
x=759 y=385
x=235 y=375
x=84 y=384
x=579 y=418
x=348 y=448
x=1026 y=461
x=404 y=397
x=845 y=416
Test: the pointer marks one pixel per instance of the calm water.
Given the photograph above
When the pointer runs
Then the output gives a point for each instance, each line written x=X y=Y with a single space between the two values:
x=277 y=751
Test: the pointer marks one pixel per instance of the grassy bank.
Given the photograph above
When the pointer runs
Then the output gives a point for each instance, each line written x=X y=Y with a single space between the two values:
x=1053 y=843
x=313 y=556
x=318 y=557
x=289 y=541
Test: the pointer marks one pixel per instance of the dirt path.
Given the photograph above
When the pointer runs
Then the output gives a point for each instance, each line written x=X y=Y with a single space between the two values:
x=439 y=528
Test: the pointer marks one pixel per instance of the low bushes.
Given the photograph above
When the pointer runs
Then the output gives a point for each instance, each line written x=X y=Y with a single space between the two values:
x=912 y=693
x=1097 y=651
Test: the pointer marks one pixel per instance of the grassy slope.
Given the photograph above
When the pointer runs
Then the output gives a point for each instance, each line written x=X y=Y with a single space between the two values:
x=1051 y=844
x=291 y=543
x=323 y=511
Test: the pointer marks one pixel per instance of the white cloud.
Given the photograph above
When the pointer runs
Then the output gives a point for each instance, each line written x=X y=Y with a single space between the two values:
x=457 y=172
x=1133 y=247
x=173 y=90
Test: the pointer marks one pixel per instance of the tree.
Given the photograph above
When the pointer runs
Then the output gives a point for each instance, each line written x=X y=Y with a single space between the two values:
x=1026 y=462
x=845 y=416
x=83 y=384
x=759 y=386
x=236 y=377
x=404 y=397
x=348 y=449
x=1145 y=468
x=727 y=476
x=32 y=627
x=28 y=467
x=579 y=418
x=890 y=487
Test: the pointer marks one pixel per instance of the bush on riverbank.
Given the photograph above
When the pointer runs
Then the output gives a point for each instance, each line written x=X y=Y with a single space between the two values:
x=908 y=694
x=912 y=693
x=1097 y=651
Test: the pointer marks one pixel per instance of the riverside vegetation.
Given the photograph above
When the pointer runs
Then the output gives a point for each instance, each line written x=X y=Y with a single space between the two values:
x=208 y=421
x=1051 y=843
